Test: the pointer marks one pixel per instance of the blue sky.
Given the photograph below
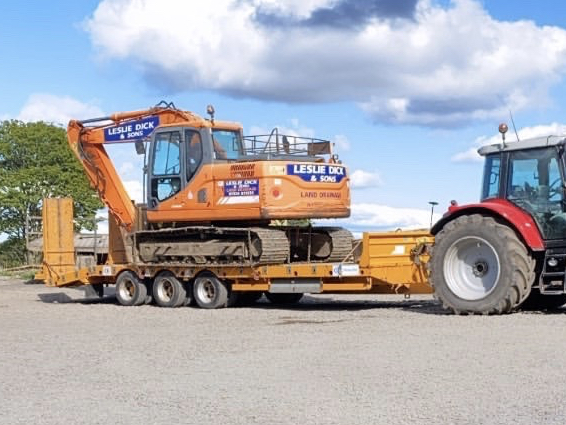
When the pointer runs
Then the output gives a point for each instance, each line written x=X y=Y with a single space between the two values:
x=407 y=89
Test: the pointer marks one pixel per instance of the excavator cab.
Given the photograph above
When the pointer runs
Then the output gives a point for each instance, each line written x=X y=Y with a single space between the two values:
x=177 y=153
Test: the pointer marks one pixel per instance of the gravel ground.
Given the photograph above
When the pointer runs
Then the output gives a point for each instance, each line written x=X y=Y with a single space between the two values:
x=329 y=360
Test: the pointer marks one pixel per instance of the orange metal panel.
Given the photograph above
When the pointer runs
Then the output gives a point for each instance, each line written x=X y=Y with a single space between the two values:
x=397 y=258
x=58 y=240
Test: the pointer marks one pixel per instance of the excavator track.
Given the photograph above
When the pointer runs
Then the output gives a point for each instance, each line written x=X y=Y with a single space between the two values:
x=213 y=245
x=243 y=246
x=319 y=244
x=342 y=241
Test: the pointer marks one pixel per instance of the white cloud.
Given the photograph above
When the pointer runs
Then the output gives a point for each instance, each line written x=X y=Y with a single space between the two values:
x=56 y=109
x=134 y=189
x=361 y=179
x=341 y=142
x=471 y=154
x=369 y=216
x=125 y=168
x=444 y=67
x=295 y=8
x=292 y=128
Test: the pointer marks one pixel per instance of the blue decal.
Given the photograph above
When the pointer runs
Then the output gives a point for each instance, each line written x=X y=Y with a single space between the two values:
x=320 y=173
x=241 y=188
x=131 y=130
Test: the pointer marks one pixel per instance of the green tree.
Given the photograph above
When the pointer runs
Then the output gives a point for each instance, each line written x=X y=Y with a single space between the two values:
x=36 y=162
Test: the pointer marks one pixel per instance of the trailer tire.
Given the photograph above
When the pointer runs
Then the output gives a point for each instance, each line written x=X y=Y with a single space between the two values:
x=210 y=292
x=537 y=301
x=284 y=298
x=168 y=291
x=479 y=266
x=130 y=290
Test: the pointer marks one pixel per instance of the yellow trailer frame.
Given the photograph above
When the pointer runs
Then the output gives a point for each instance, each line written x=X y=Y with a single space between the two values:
x=390 y=263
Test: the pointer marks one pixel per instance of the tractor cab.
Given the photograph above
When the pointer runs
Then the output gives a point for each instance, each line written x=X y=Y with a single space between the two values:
x=529 y=174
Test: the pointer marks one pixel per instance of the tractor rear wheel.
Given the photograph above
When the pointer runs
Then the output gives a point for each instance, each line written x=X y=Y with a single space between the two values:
x=480 y=266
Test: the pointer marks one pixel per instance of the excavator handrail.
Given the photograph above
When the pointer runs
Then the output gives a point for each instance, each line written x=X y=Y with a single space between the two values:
x=289 y=145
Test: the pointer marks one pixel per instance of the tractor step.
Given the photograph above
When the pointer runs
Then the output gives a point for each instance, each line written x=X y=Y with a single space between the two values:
x=553 y=277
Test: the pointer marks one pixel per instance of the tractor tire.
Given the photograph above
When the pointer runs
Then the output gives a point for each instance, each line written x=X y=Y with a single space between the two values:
x=479 y=266
x=537 y=301
x=130 y=290
x=283 y=298
x=168 y=291
x=210 y=292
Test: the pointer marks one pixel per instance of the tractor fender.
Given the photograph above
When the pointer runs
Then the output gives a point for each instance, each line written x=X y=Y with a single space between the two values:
x=518 y=219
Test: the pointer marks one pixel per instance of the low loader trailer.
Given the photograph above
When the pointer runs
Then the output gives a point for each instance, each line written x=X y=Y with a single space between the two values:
x=379 y=263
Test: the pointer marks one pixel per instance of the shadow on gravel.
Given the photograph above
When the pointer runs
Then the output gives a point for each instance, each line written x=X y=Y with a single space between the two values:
x=556 y=311
x=307 y=304
x=63 y=298
x=312 y=304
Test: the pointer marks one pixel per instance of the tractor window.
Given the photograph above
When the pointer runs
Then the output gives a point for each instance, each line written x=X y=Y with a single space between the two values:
x=226 y=143
x=491 y=174
x=535 y=185
x=166 y=166
x=194 y=152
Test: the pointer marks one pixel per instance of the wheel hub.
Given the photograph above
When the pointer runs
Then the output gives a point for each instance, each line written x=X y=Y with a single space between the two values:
x=128 y=290
x=165 y=290
x=207 y=291
x=480 y=268
x=471 y=268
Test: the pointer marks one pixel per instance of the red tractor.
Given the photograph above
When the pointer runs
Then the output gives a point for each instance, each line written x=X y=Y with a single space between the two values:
x=509 y=250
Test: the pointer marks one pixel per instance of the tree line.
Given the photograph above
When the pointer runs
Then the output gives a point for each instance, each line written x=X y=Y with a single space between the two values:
x=36 y=162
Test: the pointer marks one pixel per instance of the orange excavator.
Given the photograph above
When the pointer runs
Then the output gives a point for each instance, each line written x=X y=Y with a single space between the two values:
x=212 y=195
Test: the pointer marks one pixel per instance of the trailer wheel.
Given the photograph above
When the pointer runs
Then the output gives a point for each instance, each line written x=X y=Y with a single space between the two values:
x=480 y=266
x=130 y=290
x=210 y=292
x=283 y=298
x=168 y=291
x=537 y=301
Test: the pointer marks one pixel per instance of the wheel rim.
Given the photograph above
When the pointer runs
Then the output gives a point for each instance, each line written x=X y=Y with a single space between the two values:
x=206 y=290
x=472 y=268
x=127 y=290
x=165 y=290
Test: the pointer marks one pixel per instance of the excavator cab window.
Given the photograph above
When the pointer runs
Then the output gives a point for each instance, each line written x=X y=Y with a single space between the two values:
x=166 y=166
x=227 y=144
x=194 y=152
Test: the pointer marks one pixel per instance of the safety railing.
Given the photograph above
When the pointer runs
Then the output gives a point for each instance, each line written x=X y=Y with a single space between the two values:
x=284 y=144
